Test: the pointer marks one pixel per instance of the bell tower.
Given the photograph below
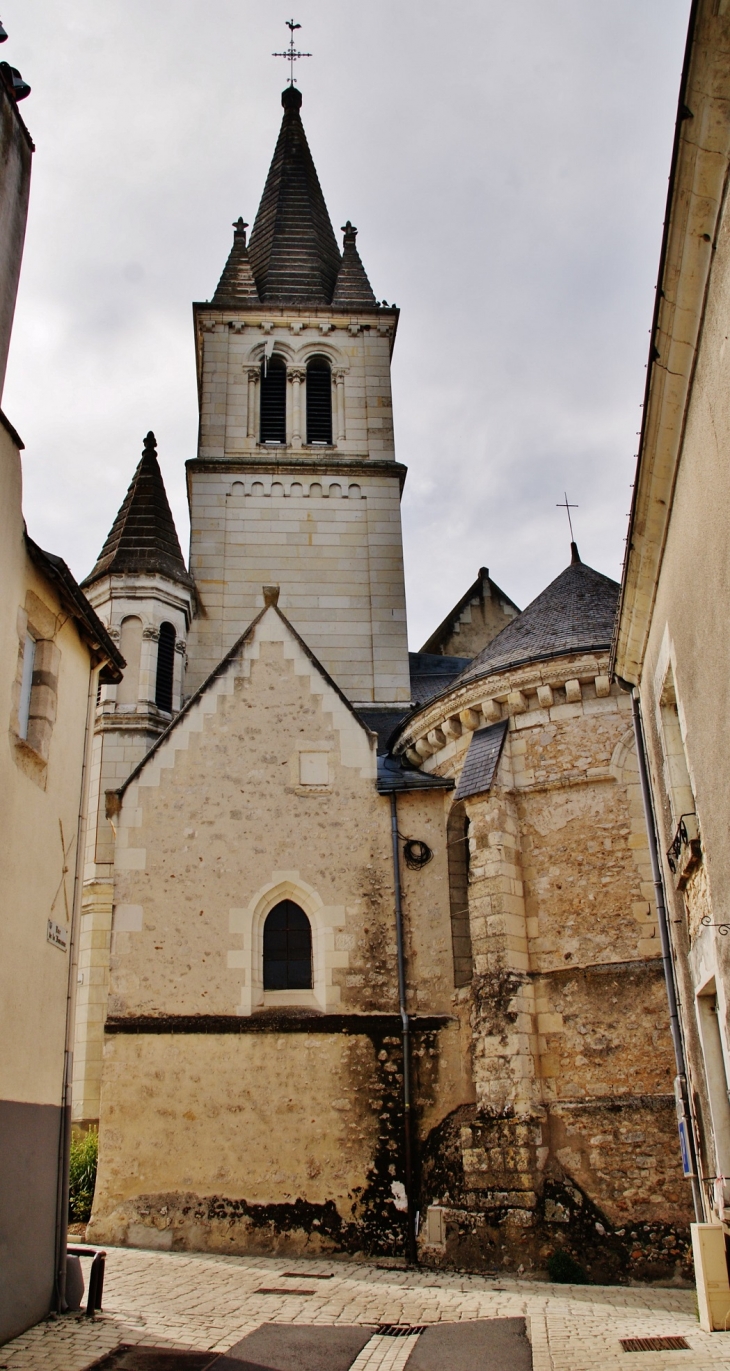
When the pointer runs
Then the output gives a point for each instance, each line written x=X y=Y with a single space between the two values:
x=295 y=483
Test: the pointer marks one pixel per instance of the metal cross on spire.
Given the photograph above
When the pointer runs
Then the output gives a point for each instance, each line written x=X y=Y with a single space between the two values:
x=563 y=504
x=292 y=54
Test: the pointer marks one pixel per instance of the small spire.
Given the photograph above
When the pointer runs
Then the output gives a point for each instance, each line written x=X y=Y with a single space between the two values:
x=143 y=537
x=574 y=554
x=237 y=285
x=353 y=290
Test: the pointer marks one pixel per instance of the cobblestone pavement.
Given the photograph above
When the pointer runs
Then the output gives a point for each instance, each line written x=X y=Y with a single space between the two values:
x=202 y=1302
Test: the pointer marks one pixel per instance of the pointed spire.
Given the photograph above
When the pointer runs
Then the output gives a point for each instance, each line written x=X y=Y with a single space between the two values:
x=574 y=554
x=143 y=536
x=353 y=288
x=293 y=250
x=237 y=285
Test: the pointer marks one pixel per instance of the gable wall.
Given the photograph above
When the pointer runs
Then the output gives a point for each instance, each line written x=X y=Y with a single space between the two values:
x=215 y=830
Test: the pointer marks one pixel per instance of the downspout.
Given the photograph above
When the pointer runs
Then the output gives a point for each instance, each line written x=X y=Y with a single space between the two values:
x=64 y=1145
x=411 y=1250
x=683 y=1095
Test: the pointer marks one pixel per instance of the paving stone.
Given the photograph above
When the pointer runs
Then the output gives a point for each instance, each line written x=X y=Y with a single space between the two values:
x=208 y=1303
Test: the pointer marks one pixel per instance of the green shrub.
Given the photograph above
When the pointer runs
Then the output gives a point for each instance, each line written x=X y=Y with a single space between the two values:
x=565 y=1270
x=82 y=1175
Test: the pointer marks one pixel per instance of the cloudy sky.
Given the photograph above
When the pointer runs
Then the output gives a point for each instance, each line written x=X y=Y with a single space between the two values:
x=506 y=166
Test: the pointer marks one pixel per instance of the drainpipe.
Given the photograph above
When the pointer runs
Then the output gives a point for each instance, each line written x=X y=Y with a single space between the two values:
x=681 y=1085
x=407 y=1115
x=64 y=1142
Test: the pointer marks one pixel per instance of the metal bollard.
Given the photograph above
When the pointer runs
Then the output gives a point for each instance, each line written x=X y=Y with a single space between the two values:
x=96 y=1284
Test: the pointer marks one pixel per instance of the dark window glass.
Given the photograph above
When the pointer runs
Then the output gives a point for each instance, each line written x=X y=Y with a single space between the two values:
x=457 y=840
x=319 y=401
x=273 y=401
x=287 y=948
x=165 y=668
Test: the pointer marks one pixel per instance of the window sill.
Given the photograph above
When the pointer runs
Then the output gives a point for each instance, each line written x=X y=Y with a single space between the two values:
x=297 y=999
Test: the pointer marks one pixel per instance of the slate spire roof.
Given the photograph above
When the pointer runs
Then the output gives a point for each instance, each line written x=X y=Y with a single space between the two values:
x=353 y=290
x=293 y=251
x=237 y=285
x=143 y=536
x=575 y=613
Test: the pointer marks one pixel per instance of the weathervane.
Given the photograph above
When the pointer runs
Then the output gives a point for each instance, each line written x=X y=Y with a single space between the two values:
x=563 y=504
x=292 y=54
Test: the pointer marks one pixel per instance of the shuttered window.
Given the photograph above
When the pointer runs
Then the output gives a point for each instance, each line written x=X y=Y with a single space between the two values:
x=165 y=668
x=319 y=401
x=273 y=401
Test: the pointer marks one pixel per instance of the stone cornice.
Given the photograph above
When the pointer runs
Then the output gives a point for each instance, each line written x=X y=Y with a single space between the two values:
x=265 y=463
x=286 y=1021
x=497 y=689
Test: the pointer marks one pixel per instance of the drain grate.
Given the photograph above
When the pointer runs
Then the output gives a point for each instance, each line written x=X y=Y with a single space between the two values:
x=399 y=1330
x=655 y=1344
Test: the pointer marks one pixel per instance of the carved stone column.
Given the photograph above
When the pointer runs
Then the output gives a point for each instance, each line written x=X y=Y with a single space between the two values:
x=254 y=376
x=340 y=394
x=296 y=377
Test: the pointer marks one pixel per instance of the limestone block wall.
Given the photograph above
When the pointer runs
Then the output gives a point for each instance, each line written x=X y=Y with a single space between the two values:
x=230 y=349
x=331 y=539
x=217 y=827
x=573 y=1065
x=124 y=730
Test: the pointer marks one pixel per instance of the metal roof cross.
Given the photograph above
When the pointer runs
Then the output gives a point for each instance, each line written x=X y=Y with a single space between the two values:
x=292 y=54
x=563 y=504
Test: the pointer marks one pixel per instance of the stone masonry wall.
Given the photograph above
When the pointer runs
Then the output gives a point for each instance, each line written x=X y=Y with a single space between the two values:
x=573 y=1065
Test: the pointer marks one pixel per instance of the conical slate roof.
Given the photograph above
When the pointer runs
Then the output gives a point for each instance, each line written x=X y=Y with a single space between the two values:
x=293 y=251
x=353 y=290
x=237 y=285
x=143 y=536
x=574 y=614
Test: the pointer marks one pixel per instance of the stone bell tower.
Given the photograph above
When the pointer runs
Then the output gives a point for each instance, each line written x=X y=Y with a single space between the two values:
x=295 y=483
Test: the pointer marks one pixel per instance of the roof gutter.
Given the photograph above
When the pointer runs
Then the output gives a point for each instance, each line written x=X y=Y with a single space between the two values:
x=697 y=188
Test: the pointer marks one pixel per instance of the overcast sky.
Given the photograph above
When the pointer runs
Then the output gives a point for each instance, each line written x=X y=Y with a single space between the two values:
x=506 y=165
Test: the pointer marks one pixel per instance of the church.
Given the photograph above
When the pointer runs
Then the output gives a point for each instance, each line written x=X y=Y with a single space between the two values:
x=369 y=957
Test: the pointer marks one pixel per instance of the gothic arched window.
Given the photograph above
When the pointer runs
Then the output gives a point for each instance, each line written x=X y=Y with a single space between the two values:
x=165 y=668
x=287 y=948
x=319 y=401
x=273 y=400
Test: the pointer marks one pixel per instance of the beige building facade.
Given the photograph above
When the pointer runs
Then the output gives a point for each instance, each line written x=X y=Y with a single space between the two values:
x=53 y=648
x=53 y=652
x=671 y=640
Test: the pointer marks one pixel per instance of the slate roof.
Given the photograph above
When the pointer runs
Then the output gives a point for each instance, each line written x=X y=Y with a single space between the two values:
x=382 y=721
x=574 y=614
x=485 y=749
x=353 y=290
x=143 y=536
x=293 y=251
x=237 y=285
x=393 y=775
x=431 y=673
